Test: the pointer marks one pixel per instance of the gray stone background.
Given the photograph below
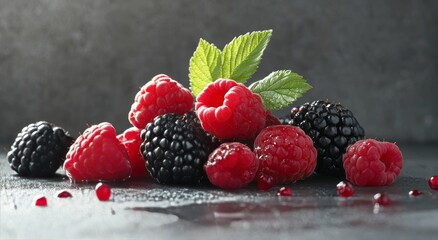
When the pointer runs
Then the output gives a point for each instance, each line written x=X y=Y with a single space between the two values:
x=78 y=63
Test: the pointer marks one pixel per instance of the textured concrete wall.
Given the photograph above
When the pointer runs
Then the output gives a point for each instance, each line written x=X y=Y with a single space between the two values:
x=81 y=62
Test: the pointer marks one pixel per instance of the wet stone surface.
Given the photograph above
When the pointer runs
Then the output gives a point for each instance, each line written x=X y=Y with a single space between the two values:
x=140 y=208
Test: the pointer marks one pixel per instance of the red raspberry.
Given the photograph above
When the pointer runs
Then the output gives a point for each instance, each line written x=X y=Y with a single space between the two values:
x=159 y=96
x=286 y=154
x=228 y=109
x=231 y=165
x=131 y=140
x=272 y=120
x=97 y=155
x=372 y=163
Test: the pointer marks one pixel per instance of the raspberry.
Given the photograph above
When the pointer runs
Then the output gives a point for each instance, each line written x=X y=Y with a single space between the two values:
x=286 y=154
x=97 y=155
x=231 y=166
x=372 y=163
x=228 y=110
x=332 y=128
x=131 y=140
x=159 y=96
x=39 y=150
x=272 y=120
x=176 y=148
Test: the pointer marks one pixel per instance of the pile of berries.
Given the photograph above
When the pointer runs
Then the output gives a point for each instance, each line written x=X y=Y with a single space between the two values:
x=225 y=134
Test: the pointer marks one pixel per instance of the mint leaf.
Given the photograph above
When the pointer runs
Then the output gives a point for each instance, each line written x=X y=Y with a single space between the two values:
x=280 y=88
x=241 y=57
x=204 y=66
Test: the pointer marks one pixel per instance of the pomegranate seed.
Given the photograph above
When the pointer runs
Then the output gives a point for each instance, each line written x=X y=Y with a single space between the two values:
x=381 y=199
x=284 y=191
x=64 y=194
x=415 y=193
x=41 y=202
x=433 y=182
x=345 y=189
x=103 y=192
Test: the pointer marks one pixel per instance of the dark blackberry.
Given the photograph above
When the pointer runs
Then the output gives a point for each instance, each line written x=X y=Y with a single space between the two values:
x=285 y=120
x=175 y=148
x=39 y=149
x=332 y=128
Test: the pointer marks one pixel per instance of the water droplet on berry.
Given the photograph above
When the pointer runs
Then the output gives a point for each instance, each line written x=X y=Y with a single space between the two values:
x=64 y=194
x=415 y=193
x=103 y=192
x=381 y=199
x=345 y=189
x=41 y=202
x=284 y=191
x=433 y=182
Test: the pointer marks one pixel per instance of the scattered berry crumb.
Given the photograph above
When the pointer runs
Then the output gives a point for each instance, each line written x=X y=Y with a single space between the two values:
x=41 y=202
x=284 y=191
x=381 y=199
x=345 y=189
x=433 y=182
x=64 y=194
x=103 y=192
x=415 y=193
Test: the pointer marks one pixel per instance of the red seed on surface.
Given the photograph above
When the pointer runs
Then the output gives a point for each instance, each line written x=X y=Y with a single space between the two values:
x=415 y=193
x=284 y=191
x=41 y=202
x=344 y=189
x=433 y=182
x=381 y=199
x=103 y=192
x=64 y=194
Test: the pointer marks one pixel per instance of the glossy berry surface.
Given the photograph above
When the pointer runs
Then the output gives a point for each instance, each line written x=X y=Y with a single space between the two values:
x=41 y=202
x=97 y=155
x=286 y=154
x=103 y=192
x=231 y=166
x=433 y=182
x=39 y=150
x=415 y=193
x=64 y=194
x=344 y=189
x=159 y=96
x=332 y=128
x=381 y=199
x=229 y=110
x=372 y=163
x=131 y=139
x=284 y=191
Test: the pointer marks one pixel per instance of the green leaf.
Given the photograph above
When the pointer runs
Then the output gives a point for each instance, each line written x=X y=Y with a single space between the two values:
x=205 y=66
x=280 y=88
x=241 y=57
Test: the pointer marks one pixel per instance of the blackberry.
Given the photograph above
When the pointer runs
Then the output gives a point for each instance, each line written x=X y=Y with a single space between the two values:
x=175 y=148
x=39 y=149
x=332 y=128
